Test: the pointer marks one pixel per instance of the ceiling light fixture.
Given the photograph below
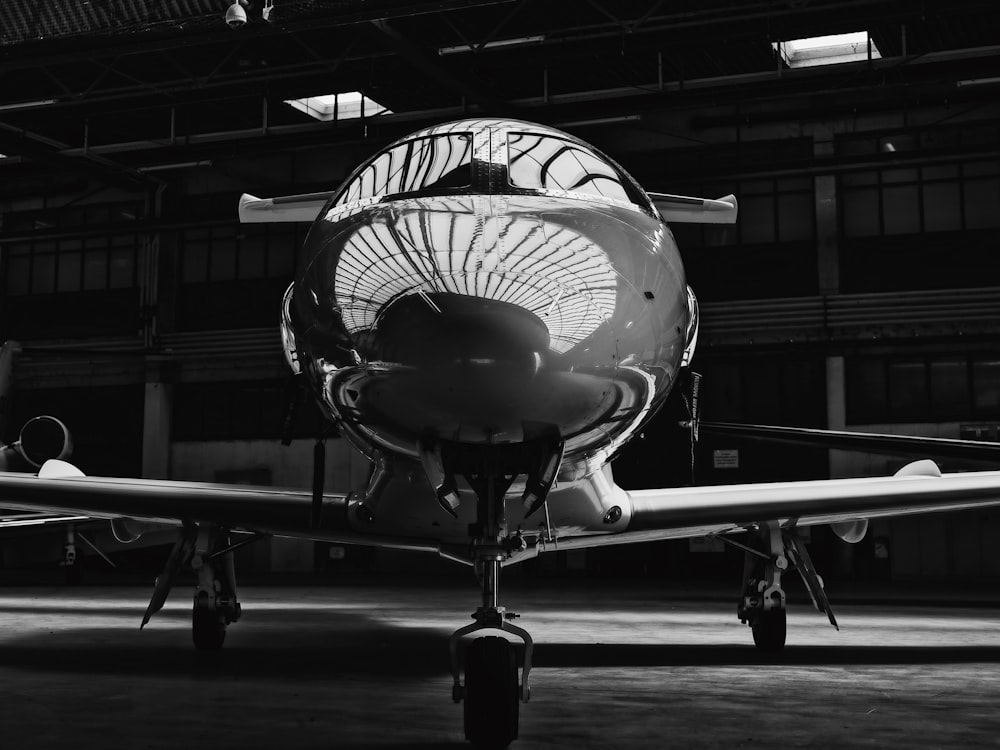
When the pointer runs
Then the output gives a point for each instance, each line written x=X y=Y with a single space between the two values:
x=349 y=105
x=26 y=105
x=491 y=45
x=827 y=50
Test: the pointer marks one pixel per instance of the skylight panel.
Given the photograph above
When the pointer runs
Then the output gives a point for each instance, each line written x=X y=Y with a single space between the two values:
x=827 y=50
x=347 y=105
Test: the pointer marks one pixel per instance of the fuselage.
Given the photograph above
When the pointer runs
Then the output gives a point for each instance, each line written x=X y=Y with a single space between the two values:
x=489 y=282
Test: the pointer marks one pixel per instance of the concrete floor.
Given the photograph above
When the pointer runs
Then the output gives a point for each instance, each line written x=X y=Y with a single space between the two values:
x=366 y=667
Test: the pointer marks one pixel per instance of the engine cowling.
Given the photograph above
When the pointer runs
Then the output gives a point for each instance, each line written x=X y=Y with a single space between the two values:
x=127 y=530
x=851 y=532
x=43 y=438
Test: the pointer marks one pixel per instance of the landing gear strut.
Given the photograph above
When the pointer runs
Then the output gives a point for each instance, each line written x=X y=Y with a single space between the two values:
x=215 y=603
x=762 y=606
x=207 y=548
x=492 y=692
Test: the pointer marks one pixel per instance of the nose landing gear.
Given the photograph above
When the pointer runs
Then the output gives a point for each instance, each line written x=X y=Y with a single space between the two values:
x=491 y=691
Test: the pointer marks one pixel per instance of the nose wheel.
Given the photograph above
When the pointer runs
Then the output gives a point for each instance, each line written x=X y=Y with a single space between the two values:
x=492 y=696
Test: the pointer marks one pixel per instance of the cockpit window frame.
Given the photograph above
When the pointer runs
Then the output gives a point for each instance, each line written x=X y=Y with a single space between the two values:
x=469 y=187
x=637 y=196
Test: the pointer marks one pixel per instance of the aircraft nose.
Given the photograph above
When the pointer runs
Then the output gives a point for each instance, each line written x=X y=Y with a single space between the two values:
x=444 y=330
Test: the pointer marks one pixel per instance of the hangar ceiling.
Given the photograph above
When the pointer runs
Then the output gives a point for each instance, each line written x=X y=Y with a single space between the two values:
x=116 y=88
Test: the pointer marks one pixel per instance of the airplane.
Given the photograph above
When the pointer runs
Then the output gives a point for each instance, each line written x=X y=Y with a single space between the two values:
x=489 y=310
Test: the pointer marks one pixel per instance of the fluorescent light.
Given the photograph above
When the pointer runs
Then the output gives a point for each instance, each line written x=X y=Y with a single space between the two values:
x=348 y=105
x=827 y=50
x=490 y=45
x=174 y=165
x=26 y=105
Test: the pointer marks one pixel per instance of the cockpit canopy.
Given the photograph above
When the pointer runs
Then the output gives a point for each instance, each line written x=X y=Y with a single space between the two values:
x=498 y=157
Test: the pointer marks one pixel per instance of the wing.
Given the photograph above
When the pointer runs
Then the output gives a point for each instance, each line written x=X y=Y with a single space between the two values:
x=701 y=511
x=261 y=510
x=869 y=442
x=687 y=210
x=285 y=208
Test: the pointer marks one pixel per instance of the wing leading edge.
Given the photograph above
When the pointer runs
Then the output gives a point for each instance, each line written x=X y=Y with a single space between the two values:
x=655 y=514
x=701 y=511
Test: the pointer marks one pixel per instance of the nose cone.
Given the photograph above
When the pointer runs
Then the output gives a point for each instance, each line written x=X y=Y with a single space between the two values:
x=435 y=330
x=472 y=370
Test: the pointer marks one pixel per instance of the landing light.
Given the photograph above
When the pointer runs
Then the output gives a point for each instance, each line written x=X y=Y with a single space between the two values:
x=827 y=50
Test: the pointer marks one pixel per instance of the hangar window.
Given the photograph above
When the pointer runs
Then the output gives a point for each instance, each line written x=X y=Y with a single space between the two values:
x=432 y=164
x=221 y=253
x=241 y=410
x=227 y=272
x=72 y=265
x=929 y=389
x=64 y=262
x=933 y=195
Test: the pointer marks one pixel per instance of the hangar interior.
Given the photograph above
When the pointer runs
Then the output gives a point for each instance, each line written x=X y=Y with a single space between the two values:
x=860 y=287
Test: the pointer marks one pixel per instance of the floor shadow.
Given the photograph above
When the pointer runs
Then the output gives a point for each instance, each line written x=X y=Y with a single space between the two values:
x=688 y=655
x=312 y=647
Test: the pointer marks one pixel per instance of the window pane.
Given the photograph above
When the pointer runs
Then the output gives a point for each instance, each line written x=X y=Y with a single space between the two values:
x=940 y=172
x=757 y=218
x=982 y=203
x=18 y=274
x=252 y=256
x=986 y=388
x=899 y=175
x=122 y=268
x=222 y=266
x=901 y=210
x=949 y=389
x=796 y=217
x=281 y=261
x=443 y=161
x=866 y=396
x=69 y=272
x=942 y=208
x=95 y=269
x=195 y=257
x=908 y=397
x=861 y=213
x=43 y=275
x=544 y=162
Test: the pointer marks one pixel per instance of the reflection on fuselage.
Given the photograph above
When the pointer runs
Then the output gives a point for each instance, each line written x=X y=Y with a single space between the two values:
x=490 y=282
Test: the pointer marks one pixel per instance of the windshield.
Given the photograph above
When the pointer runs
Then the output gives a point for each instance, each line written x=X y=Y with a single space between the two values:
x=544 y=162
x=433 y=163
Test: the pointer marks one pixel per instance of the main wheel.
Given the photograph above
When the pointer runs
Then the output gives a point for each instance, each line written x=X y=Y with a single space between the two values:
x=492 y=696
x=207 y=629
x=769 y=631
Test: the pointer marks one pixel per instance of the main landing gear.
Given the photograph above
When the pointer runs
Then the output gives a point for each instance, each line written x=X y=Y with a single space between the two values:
x=207 y=549
x=775 y=551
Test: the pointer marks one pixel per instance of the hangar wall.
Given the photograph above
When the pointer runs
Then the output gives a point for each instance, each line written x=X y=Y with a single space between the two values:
x=858 y=289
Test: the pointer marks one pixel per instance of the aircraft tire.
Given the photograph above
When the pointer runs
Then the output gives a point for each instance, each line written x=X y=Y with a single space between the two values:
x=207 y=631
x=492 y=696
x=769 y=631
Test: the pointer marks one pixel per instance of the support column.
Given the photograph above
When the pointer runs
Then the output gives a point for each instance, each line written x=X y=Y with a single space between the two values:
x=156 y=429
x=827 y=225
x=836 y=412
